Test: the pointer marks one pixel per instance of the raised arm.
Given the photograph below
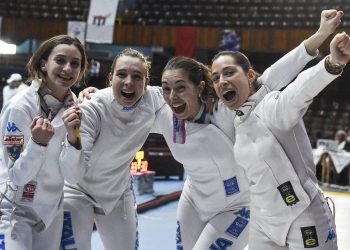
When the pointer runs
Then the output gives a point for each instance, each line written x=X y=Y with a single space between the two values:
x=295 y=99
x=282 y=72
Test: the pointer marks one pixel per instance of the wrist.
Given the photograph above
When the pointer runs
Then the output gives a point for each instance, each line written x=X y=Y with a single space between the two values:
x=39 y=143
x=333 y=68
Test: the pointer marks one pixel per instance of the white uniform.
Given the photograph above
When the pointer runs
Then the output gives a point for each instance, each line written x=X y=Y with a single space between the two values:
x=34 y=190
x=213 y=208
x=207 y=215
x=287 y=207
x=111 y=135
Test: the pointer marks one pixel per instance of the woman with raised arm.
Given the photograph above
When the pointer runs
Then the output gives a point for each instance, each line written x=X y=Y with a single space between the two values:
x=288 y=209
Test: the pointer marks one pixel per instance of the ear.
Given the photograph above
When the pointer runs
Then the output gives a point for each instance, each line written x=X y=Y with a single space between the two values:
x=43 y=65
x=251 y=75
x=147 y=83
x=201 y=87
x=110 y=76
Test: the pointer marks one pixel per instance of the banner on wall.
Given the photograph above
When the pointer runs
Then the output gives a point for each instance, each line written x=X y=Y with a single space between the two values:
x=100 y=25
x=185 y=41
x=77 y=29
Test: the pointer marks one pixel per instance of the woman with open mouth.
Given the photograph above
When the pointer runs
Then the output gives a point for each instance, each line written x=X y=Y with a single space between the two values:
x=213 y=211
x=288 y=210
x=115 y=125
x=214 y=208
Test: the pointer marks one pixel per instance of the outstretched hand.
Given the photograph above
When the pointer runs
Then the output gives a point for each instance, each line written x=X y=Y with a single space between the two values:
x=340 y=49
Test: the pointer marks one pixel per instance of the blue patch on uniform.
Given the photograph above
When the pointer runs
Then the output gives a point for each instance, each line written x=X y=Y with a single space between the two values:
x=331 y=235
x=245 y=213
x=128 y=108
x=237 y=227
x=231 y=186
x=14 y=152
x=2 y=242
x=67 y=240
x=221 y=244
x=11 y=127
x=178 y=237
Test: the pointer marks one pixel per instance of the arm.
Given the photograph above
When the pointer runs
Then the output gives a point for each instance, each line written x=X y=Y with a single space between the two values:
x=295 y=99
x=22 y=156
x=281 y=73
x=75 y=162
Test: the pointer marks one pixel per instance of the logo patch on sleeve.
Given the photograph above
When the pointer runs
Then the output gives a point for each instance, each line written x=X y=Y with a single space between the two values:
x=13 y=140
x=288 y=194
x=14 y=152
x=231 y=186
x=11 y=127
x=237 y=227
x=309 y=236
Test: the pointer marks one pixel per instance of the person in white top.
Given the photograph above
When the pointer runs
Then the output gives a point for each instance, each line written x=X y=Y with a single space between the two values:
x=114 y=127
x=288 y=210
x=32 y=132
x=213 y=211
x=14 y=85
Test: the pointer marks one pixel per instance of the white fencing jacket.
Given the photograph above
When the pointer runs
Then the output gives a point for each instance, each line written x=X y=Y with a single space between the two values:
x=274 y=149
x=215 y=183
x=27 y=161
x=111 y=135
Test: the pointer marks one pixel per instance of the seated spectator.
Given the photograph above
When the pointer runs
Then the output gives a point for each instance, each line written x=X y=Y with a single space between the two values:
x=15 y=85
x=340 y=137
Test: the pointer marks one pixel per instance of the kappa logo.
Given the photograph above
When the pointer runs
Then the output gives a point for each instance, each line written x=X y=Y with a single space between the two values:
x=331 y=235
x=221 y=244
x=11 y=127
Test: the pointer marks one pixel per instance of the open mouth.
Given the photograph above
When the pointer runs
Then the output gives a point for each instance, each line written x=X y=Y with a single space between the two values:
x=128 y=95
x=229 y=95
x=65 y=78
x=180 y=109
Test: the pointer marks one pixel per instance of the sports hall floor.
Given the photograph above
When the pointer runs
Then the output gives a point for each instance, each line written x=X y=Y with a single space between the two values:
x=157 y=226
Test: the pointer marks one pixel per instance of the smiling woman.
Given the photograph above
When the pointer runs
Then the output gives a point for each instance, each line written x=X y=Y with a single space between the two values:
x=33 y=130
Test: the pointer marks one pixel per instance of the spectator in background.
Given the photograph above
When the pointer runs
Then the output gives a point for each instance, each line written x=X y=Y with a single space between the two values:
x=15 y=85
x=340 y=137
x=347 y=143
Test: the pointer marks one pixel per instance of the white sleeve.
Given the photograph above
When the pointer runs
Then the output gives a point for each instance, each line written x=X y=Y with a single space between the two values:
x=283 y=110
x=282 y=72
x=75 y=163
x=22 y=156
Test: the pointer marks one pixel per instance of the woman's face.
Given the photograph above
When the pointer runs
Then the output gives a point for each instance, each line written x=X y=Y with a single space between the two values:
x=62 y=68
x=181 y=94
x=231 y=83
x=128 y=80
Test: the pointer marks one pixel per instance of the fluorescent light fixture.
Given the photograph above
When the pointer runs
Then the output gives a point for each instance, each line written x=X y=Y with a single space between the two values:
x=6 y=48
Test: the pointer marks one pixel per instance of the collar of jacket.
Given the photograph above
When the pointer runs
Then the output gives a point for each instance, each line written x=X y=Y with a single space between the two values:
x=244 y=111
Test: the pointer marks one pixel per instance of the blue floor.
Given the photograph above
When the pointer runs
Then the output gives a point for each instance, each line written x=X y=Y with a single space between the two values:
x=157 y=227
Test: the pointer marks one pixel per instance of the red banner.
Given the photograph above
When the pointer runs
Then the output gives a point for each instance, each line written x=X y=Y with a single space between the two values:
x=185 y=44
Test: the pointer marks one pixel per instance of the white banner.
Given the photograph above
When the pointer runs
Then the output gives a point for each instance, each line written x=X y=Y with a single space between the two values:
x=77 y=29
x=101 y=21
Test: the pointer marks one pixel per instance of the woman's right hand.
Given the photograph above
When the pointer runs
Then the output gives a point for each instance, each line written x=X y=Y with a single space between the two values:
x=42 y=130
x=85 y=94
